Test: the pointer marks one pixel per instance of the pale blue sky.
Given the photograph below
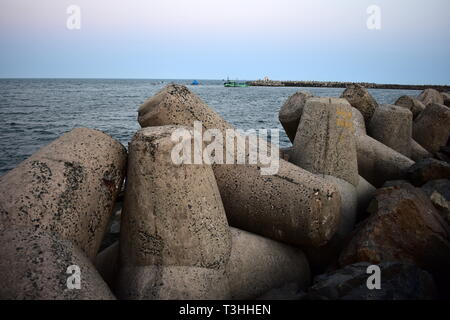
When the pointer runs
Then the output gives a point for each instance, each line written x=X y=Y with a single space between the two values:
x=245 y=39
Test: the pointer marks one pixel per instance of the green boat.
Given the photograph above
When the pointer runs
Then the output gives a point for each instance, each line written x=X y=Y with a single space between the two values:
x=234 y=84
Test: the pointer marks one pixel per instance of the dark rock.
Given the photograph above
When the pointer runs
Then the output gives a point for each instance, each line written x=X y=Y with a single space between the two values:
x=396 y=183
x=399 y=281
x=439 y=193
x=442 y=186
x=403 y=226
x=428 y=169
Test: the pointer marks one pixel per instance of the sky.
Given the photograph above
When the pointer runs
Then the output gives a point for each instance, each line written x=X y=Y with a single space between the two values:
x=323 y=40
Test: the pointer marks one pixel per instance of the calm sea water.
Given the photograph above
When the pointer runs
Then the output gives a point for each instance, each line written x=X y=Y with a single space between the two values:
x=33 y=112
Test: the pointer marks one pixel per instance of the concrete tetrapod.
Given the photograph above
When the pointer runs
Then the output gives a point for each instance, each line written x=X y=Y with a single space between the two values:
x=360 y=98
x=292 y=205
x=431 y=96
x=392 y=126
x=36 y=265
x=431 y=129
x=291 y=112
x=67 y=188
x=377 y=162
x=258 y=264
x=325 y=143
x=175 y=240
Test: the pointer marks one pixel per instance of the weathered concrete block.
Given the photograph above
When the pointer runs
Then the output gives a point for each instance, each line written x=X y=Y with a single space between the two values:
x=258 y=265
x=377 y=162
x=325 y=142
x=34 y=265
x=361 y=99
x=431 y=129
x=252 y=201
x=418 y=152
x=358 y=122
x=291 y=112
x=414 y=105
x=392 y=126
x=431 y=96
x=67 y=188
x=175 y=239
x=365 y=192
x=107 y=264
x=321 y=258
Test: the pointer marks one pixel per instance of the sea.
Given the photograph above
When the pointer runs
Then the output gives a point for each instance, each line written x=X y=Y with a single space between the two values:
x=34 y=112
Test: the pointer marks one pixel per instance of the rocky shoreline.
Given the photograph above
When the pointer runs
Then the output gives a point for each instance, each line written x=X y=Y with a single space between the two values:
x=337 y=84
x=363 y=185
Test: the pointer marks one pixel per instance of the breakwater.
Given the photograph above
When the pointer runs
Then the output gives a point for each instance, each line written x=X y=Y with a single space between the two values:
x=335 y=84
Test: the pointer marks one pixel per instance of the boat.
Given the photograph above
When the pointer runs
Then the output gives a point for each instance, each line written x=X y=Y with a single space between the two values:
x=195 y=83
x=235 y=84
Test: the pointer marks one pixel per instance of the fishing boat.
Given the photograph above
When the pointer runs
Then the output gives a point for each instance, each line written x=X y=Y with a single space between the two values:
x=195 y=83
x=235 y=84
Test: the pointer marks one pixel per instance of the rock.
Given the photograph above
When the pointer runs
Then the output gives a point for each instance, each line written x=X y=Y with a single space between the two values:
x=392 y=126
x=441 y=185
x=430 y=96
x=34 y=265
x=358 y=123
x=442 y=157
x=292 y=206
x=325 y=143
x=441 y=204
x=107 y=264
x=446 y=97
x=403 y=226
x=412 y=104
x=291 y=112
x=399 y=281
x=418 y=152
x=397 y=183
x=289 y=291
x=427 y=170
x=175 y=240
x=361 y=99
x=439 y=193
x=431 y=129
x=258 y=265
x=67 y=188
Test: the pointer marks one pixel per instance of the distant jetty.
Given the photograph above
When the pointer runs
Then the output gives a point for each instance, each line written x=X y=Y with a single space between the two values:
x=333 y=84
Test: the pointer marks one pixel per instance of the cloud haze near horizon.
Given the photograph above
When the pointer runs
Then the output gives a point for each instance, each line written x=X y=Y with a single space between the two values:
x=246 y=39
